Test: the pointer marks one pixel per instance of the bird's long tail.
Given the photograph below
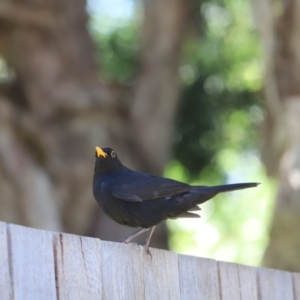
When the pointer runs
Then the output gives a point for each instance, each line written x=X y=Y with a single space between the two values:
x=208 y=192
x=201 y=194
x=232 y=187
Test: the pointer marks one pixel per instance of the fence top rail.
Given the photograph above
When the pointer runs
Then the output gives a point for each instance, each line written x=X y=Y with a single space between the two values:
x=38 y=264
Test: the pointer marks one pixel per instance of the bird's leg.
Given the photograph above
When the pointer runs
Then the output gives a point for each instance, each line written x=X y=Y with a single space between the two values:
x=132 y=236
x=146 y=244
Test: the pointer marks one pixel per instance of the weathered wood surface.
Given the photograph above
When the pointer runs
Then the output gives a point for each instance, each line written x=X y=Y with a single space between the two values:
x=37 y=264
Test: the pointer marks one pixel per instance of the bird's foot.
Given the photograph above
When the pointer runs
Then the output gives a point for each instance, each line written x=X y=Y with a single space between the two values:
x=146 y=248
x=127 y=241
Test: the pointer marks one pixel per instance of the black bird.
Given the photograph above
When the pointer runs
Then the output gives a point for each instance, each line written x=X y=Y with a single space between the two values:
x=139 y=199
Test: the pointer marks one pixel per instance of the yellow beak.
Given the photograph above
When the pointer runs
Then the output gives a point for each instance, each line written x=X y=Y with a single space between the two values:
x=100 y=152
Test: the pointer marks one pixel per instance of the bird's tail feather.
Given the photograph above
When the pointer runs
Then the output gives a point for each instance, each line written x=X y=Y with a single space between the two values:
x=233 y=187
x=207 y=192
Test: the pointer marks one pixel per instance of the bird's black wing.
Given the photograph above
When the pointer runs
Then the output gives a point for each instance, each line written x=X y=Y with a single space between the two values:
x=148 y=187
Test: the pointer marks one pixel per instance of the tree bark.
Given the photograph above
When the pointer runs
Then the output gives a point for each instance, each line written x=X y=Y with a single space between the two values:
x=281 y=137
x=54 y=110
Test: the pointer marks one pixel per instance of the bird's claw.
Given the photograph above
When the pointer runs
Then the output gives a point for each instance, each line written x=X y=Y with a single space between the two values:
x=128 y=242
x=146 y=248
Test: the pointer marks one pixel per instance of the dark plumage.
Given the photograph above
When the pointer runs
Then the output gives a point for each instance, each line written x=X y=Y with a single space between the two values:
x=138 y=199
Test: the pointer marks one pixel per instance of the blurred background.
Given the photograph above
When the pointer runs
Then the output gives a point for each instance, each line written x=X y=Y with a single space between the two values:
x=206 y=92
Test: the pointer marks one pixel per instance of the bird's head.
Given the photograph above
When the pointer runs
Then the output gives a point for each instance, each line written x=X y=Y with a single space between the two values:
x=106 y=161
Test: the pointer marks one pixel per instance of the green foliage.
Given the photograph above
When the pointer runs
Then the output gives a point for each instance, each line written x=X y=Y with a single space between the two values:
x=221 y=74
x=117 y=50
x=216 y=137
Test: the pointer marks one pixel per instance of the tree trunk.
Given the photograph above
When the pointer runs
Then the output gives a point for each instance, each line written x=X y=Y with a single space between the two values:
x=145 y=130
x=281 y=140
x=54 y=111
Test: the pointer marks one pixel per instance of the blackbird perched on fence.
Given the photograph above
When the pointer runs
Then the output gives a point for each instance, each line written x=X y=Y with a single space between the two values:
x=139 y=199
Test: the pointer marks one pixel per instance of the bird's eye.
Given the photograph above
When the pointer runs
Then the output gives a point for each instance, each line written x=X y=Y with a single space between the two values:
x=113 y=154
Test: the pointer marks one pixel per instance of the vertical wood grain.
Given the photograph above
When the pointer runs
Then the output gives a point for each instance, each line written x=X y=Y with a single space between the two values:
x=229 y=281
x=198 y=278
x=6 y=291
x=122 y=271
x=275 y=284
x=32 y=263
x=248 y=282
x=78 y=267
x=161 y=277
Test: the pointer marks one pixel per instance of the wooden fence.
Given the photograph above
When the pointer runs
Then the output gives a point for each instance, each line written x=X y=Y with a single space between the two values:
x=37 y=264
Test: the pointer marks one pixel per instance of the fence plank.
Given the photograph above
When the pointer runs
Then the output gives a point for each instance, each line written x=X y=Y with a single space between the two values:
x=248 y=283
x=161 y=278
x=5 y=280
x=198 y=278
x=32 y=263
x=122 y=271
x=78 y=267
x=36 y=264
x=229 y=281
x=275 y=284
x=296 y=284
